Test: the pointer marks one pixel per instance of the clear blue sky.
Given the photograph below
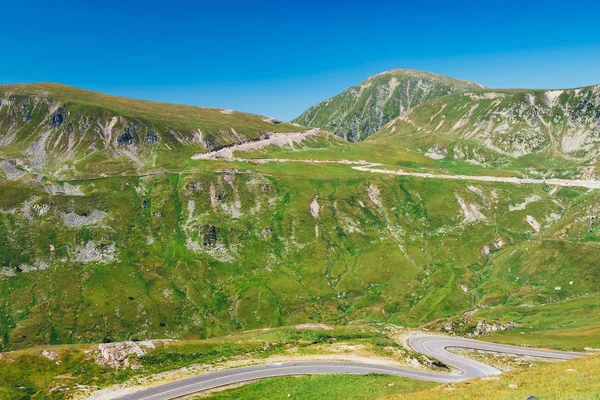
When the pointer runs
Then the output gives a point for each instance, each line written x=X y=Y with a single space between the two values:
x=276 y=58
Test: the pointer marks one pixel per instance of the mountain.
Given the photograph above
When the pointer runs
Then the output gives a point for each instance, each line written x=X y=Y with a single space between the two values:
x=545 y=128
x=294 y=229
x=48 y=126
x=362 y=110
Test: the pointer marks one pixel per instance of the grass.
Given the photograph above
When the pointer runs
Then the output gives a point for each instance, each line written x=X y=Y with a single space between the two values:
x=179 y=117
x=402 y=258
x=323 y=387
x=204 y=249
x=575 y=379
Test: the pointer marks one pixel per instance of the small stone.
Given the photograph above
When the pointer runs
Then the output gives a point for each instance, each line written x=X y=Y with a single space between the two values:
x=557 y=288
x=512 y=386
x=569 y=370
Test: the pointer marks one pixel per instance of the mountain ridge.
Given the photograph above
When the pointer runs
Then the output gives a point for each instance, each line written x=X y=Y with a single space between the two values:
x=362 y=110
x=50 y=126
x=339 y=113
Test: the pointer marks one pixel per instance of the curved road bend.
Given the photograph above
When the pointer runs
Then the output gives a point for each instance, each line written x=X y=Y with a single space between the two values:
x=432 y=346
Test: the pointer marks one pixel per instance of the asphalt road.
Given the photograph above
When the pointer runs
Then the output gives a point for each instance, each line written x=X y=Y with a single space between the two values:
x=433 y=346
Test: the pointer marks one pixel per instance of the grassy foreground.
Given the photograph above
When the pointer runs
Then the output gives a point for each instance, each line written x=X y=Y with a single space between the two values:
x=575 y=379
x=75 y=371
x=317 y=387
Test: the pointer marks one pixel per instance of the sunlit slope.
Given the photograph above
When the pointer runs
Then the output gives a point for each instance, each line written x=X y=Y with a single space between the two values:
x=362 y=110
x=537 y=132
x=73 y=132
x=242 y=246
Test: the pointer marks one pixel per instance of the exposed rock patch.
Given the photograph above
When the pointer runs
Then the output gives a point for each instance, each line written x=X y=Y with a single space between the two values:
x=374 y=195
x=73 y=220
x=523 y=205
x=437 y=152
x=533 y=223
x=50 y=355
x=123 y=354
x=94 y=252
x=11 y=171
x=65 y=189
x=470 y=211
x=314 y=206
x=38 y=266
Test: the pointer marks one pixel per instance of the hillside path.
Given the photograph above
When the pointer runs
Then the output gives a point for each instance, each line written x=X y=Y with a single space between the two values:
x=367 y=166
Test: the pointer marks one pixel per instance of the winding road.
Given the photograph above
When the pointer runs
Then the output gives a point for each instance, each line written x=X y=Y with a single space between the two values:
x=432 y=346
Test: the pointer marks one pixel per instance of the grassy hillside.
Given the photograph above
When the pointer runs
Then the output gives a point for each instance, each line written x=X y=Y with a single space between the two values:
x=70 y=132
x=362 y=110
x=544 y=132
x=230 y=246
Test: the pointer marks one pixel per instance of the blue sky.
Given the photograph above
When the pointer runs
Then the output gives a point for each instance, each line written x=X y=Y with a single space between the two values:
x=279 y=57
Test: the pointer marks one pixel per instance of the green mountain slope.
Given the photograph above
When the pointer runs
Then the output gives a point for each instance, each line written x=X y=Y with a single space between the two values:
x=242 y=246
x=51 y=127
x=531 y=129
x=362 y=110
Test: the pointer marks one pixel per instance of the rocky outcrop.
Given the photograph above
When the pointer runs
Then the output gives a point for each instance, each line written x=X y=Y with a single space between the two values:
x=437 y=152
x=123 y=354
x=469 y=326
x=209 y=235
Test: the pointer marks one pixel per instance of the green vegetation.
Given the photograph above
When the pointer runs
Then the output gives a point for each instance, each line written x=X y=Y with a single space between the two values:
x=575 y=379
x=324 y=387
x=173 y=258
x=70 y=133
x=362 y=110
x=109 y=231
x=27 y=374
